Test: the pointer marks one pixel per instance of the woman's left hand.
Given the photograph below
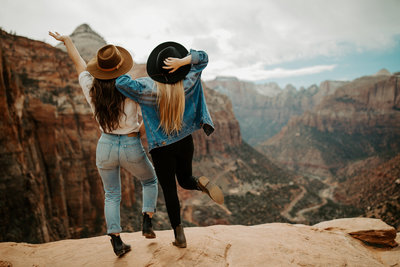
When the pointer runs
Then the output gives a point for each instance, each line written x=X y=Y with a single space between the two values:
x=58 y=36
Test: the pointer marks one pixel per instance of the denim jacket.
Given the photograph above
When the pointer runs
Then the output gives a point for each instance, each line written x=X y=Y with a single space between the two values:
x=196 y=115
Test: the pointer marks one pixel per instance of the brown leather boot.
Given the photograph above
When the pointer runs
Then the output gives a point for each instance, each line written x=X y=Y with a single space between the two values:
x=180 y=239
x=211 y=189
x=120 y=248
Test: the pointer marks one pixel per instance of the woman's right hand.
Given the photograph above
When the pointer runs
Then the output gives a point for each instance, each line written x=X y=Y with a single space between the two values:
x=173 y=64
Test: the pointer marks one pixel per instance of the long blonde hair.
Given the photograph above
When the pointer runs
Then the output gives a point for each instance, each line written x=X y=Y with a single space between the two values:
x=171 y=106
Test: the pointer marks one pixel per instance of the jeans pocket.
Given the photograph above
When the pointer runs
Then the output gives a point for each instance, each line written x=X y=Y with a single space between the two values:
x=134 y=153
x=103 y=151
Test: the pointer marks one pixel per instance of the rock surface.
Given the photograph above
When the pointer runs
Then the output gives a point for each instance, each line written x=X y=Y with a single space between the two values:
x=275 y=244
x=373 y=231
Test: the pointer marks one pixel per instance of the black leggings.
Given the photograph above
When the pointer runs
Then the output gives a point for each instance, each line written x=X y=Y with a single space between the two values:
x=171 y=160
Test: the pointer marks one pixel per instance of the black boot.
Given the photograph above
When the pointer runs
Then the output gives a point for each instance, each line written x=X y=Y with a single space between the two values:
x=147 y=227
x=180 y=239
x=120 y=248
x=211 y=189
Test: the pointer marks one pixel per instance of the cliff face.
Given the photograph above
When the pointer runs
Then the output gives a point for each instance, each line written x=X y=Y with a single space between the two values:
x=360 y=120
x=50 y=189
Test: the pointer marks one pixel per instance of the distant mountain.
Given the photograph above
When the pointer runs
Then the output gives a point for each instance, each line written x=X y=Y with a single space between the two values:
x=360 y=120
x=383 y=72
x=268 y=89
x=262 y=116
x=86 y=40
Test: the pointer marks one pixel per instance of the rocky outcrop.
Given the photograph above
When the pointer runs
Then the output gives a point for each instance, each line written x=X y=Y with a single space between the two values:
x=383 y=72
x=261 y=245
x=371 y=231
x=86 y=40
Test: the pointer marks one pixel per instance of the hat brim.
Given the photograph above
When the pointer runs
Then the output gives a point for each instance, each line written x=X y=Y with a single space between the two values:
x=126 y=66
x=163 y=77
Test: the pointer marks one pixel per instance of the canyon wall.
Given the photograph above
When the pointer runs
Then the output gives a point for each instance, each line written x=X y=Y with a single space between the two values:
x=360 y=120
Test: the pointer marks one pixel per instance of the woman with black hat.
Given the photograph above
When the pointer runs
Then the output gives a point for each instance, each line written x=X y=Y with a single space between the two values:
x=119 y=144
x=173 y=106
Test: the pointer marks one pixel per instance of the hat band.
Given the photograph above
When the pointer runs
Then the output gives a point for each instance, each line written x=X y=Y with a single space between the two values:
x=113 y=68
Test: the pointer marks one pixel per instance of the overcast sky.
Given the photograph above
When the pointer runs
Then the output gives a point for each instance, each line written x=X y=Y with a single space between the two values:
x=287 y=41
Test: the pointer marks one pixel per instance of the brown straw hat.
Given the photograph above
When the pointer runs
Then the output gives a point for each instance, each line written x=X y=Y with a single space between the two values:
x=111 y=61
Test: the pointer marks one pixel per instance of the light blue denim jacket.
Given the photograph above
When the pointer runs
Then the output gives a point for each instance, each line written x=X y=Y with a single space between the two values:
x=196 y=116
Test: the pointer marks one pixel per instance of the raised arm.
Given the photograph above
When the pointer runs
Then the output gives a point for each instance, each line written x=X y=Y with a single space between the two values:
x=80 y=64
x=199 y=60
x=141 y=90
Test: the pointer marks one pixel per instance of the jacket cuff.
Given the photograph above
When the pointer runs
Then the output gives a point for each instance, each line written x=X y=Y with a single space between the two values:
x=195 y=57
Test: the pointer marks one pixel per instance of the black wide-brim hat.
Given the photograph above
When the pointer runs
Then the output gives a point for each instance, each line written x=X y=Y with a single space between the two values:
x=155 y=63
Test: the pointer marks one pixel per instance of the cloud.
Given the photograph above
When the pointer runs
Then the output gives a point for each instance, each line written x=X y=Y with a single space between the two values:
x=239 y=36
x=258 y=72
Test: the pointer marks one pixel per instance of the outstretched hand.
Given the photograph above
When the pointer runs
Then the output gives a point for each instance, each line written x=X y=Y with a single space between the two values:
x=172 y=64
x=73 y=53
x=58 y=36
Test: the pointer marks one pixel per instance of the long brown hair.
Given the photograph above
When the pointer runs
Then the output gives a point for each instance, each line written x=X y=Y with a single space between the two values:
x=171 y=106
x=108 y=103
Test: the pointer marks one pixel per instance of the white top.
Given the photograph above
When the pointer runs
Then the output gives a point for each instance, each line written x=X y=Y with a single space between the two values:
x=128 y=123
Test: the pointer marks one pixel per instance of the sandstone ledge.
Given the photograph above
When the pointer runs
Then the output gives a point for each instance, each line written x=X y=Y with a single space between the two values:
x=371 y=231
x=275 y=244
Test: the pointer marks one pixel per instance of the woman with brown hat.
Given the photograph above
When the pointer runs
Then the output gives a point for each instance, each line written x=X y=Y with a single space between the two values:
x=173 y=107
x=119 y=144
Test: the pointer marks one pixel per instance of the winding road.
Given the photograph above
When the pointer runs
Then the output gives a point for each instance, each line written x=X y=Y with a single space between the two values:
x=324 y=194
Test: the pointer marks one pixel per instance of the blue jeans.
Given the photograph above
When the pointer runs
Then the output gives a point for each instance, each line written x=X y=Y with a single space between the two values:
x=113 y=152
